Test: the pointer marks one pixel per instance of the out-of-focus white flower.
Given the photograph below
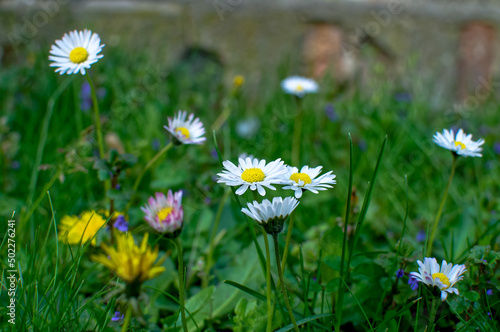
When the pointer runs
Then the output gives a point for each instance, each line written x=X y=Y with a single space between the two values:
x=299 y=86
x=460 y=144
x=75 y=52
x=444 y=277
x=186 y=130
x=307 y=179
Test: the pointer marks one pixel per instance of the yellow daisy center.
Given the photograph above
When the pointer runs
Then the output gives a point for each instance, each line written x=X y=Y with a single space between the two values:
x=299 y=88
x=253 y=175
x=301 y=176
x=183 y=131
x=462 y=145
x=443 y=278
x=78 y=55
x=163 y=213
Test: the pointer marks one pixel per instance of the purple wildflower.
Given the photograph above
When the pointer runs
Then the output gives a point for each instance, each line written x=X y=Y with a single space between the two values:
x=121 y=224
x=402 y=97
x=85 y=97
x=155 y=144
x=489 y=292
x=15 y=165
x=362 y=145
x=421 y=236
x=213 y=153
x=117 y=317
x=400 y=273
x=496 y=147
x=413 y=282
x=330 y=113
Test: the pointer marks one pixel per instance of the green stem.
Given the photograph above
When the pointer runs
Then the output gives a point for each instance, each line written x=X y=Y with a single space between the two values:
x=268 y=283
x=43 y=139
x=282 y=282
x=151 y=162
x=37 y=202
x=178 y=245
x=213 y=233
x=126 y=322
x=287 y=243
x=97 y=118
x=297 y=129
x=436 y=301
x=441 y=206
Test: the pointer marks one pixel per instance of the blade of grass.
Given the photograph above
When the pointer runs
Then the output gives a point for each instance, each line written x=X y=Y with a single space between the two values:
x=340 y=295
x=359 y=304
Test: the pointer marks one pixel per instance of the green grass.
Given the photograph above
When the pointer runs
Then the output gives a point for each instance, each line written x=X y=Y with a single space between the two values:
x=61 y=289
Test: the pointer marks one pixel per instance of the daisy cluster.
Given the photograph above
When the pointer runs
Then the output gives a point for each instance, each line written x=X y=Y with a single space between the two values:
x=257 y=175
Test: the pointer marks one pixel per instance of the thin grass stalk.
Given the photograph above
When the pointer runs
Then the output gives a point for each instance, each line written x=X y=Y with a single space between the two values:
x=282 y=282
x=213 y=233
x=287 y=242
x=178 y=245
x=270 y=308
x=340 y=295
x=441 y=206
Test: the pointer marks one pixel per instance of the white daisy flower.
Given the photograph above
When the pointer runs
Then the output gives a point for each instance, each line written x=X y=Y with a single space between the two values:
x=460 y=144
x=307 y=179
x=269 y=215
x=75 y=52
x=252 y=173
x=299 y=86
x=444 y=277
x=186 y=131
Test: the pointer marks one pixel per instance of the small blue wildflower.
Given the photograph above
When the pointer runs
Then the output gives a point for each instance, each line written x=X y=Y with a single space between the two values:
x=496 y=147
x=117 y=317
x=121 y=224
x=330 y=113
x=214 y=154
x=362 y=145
x=85 y=97
x=413 y=282
x=155 y=144
x=400 y=273
x=421 y=236
x=15 y=165
x=489 y=292
x=403 y=97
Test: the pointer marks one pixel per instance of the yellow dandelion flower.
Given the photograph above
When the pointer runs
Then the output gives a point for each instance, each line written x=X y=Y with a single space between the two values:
x=76 y=229
x=238 y=81
x=131 y=263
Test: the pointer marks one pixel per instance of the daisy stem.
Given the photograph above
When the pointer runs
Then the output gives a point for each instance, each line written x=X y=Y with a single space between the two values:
x=268 y=283
x=126 y=322
x=297 y=129
x=150 y=163
x=178 y=245
x=97 y=118
x=441 y=206
x=287 y=243
x=282 y=282
x=436 y=301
